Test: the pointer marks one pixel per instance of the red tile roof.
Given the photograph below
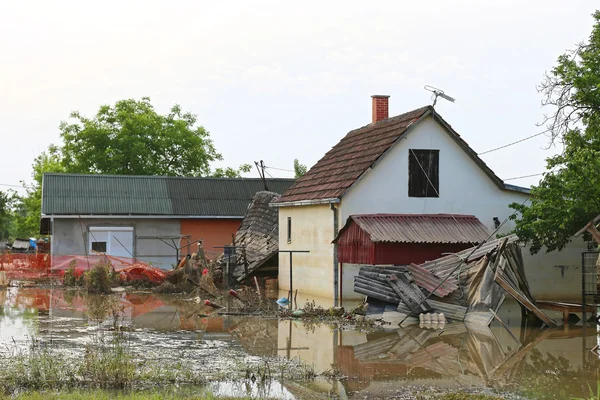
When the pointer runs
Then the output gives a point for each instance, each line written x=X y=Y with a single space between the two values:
x=343 y=165
x=419 y=228
x=333 y=174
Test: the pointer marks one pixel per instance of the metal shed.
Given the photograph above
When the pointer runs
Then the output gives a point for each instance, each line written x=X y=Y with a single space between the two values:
x=400 y=239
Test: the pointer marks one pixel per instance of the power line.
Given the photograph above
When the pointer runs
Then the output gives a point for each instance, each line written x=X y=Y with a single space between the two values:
x=524 y=176
x=16 y=186
x=280 y=169
x=510 y=144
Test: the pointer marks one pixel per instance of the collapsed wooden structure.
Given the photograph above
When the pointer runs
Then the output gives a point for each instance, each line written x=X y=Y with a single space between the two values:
x=469 y=286
x=257 y=239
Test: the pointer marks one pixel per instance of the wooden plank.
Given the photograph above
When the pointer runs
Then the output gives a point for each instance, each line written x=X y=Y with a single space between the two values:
x=524 y=301
x=409 y=292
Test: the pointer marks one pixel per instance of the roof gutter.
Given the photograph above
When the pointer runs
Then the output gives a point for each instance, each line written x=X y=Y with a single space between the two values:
x=150 y=216
x=305 y=202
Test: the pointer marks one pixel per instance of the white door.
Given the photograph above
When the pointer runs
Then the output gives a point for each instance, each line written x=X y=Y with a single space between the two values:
x=112 y=240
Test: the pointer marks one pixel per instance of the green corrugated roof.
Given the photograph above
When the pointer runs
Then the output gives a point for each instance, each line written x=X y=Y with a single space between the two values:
x=67 y=194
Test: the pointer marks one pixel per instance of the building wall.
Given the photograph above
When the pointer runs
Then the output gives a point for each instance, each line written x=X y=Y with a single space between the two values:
x=213 y=232
x=312 y=230
x=464 y=189
x=69 y=237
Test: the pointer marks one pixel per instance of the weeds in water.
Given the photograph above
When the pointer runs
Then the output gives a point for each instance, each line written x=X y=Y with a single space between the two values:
x=279 y=369
x=97 y=279
x=592 y=395
x=70 y=278
x=180 y=393
x=459 y=395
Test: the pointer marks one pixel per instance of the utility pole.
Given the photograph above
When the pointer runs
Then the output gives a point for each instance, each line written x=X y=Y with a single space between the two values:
x=260 y=166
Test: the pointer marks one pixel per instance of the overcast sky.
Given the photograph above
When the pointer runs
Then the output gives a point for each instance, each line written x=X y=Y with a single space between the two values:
x=278 y=80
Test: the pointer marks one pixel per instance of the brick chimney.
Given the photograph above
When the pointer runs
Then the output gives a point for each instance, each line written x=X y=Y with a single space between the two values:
x=380 y=107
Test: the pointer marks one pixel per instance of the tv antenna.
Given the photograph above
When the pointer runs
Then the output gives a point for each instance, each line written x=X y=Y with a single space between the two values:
x=438 y=93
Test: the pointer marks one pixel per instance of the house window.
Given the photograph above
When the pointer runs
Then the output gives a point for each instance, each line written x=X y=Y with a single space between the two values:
x=289 y=230
x=112 y=240
x=100 y=247
x=423 y=173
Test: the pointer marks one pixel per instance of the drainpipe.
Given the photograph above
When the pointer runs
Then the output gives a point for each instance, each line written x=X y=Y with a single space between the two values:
x=335 y=257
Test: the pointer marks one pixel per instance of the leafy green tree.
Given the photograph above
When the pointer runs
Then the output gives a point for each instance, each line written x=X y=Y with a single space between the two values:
x=28 y=208
x=568 y=196
x=7 y=201
x=231 y=172
x=299 y=169
x=131 y=138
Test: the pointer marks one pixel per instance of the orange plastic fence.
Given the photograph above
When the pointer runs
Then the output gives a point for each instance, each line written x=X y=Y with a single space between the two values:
x=24 y=266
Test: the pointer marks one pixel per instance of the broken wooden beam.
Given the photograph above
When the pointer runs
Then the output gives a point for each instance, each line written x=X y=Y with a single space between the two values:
x=524 y=301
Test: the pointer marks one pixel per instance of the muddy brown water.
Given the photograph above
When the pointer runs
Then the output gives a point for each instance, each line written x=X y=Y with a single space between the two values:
x=374 y=363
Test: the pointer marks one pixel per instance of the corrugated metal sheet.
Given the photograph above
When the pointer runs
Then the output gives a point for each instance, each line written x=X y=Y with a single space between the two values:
x=379 y=239
x=429 y=281
x=421 y=228
x=445 y=265
x=355 y=247
x=65 y=194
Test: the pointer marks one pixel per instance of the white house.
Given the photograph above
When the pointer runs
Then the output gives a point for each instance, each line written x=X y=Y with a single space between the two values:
x=414 y=163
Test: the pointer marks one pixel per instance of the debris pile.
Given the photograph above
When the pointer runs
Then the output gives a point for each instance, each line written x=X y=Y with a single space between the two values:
x=257 y=238
x=469 y=286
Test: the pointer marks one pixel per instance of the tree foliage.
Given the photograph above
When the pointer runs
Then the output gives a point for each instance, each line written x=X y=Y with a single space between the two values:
x=299 y=169
x=128 y=138
x=131 y=138
x=568 y=196
x=7 y=200
x=28 y=208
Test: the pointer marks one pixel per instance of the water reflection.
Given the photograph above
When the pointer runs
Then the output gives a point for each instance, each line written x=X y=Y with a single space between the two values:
x=542 y=363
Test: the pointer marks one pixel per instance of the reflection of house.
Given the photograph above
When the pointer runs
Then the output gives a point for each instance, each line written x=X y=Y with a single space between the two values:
x=414 y=163
x=144 y=216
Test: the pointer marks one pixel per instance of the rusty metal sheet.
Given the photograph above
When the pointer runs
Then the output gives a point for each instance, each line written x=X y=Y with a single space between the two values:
x=421 y=228
x=429 y=281
x=445 y=265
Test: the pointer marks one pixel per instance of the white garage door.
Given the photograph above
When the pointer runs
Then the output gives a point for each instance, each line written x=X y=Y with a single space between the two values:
x=114 y=241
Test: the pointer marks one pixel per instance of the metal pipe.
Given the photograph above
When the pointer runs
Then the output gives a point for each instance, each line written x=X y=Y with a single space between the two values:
x=335 y=256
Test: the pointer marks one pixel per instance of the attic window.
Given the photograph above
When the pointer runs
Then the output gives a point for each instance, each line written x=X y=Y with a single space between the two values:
x=423 y=173
x=289 y=230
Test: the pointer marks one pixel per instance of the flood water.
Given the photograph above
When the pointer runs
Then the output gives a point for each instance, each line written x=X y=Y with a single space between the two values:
x=376 y=363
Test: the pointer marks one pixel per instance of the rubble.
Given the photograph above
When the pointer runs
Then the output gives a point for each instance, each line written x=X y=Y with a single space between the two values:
x=468 y=286
x=257 y=238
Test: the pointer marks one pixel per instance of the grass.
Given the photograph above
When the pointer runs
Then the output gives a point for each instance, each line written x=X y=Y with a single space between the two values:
x=110 y=395
x=459 y=395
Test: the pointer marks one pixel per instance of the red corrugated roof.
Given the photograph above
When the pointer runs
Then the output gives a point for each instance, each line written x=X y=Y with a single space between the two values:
x=419 y=228
x=333 y=174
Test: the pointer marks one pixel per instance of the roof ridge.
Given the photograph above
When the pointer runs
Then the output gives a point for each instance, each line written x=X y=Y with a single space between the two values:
x=398 y=117
x=160 y=177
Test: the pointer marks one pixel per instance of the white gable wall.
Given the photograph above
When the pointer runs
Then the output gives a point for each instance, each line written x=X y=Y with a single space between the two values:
x=464 y=189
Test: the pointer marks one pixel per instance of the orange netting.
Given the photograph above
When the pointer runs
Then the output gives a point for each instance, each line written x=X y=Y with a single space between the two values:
x=38 y=266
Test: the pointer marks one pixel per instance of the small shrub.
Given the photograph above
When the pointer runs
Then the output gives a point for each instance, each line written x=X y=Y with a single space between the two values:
x=97 y=279
x=70 y=279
